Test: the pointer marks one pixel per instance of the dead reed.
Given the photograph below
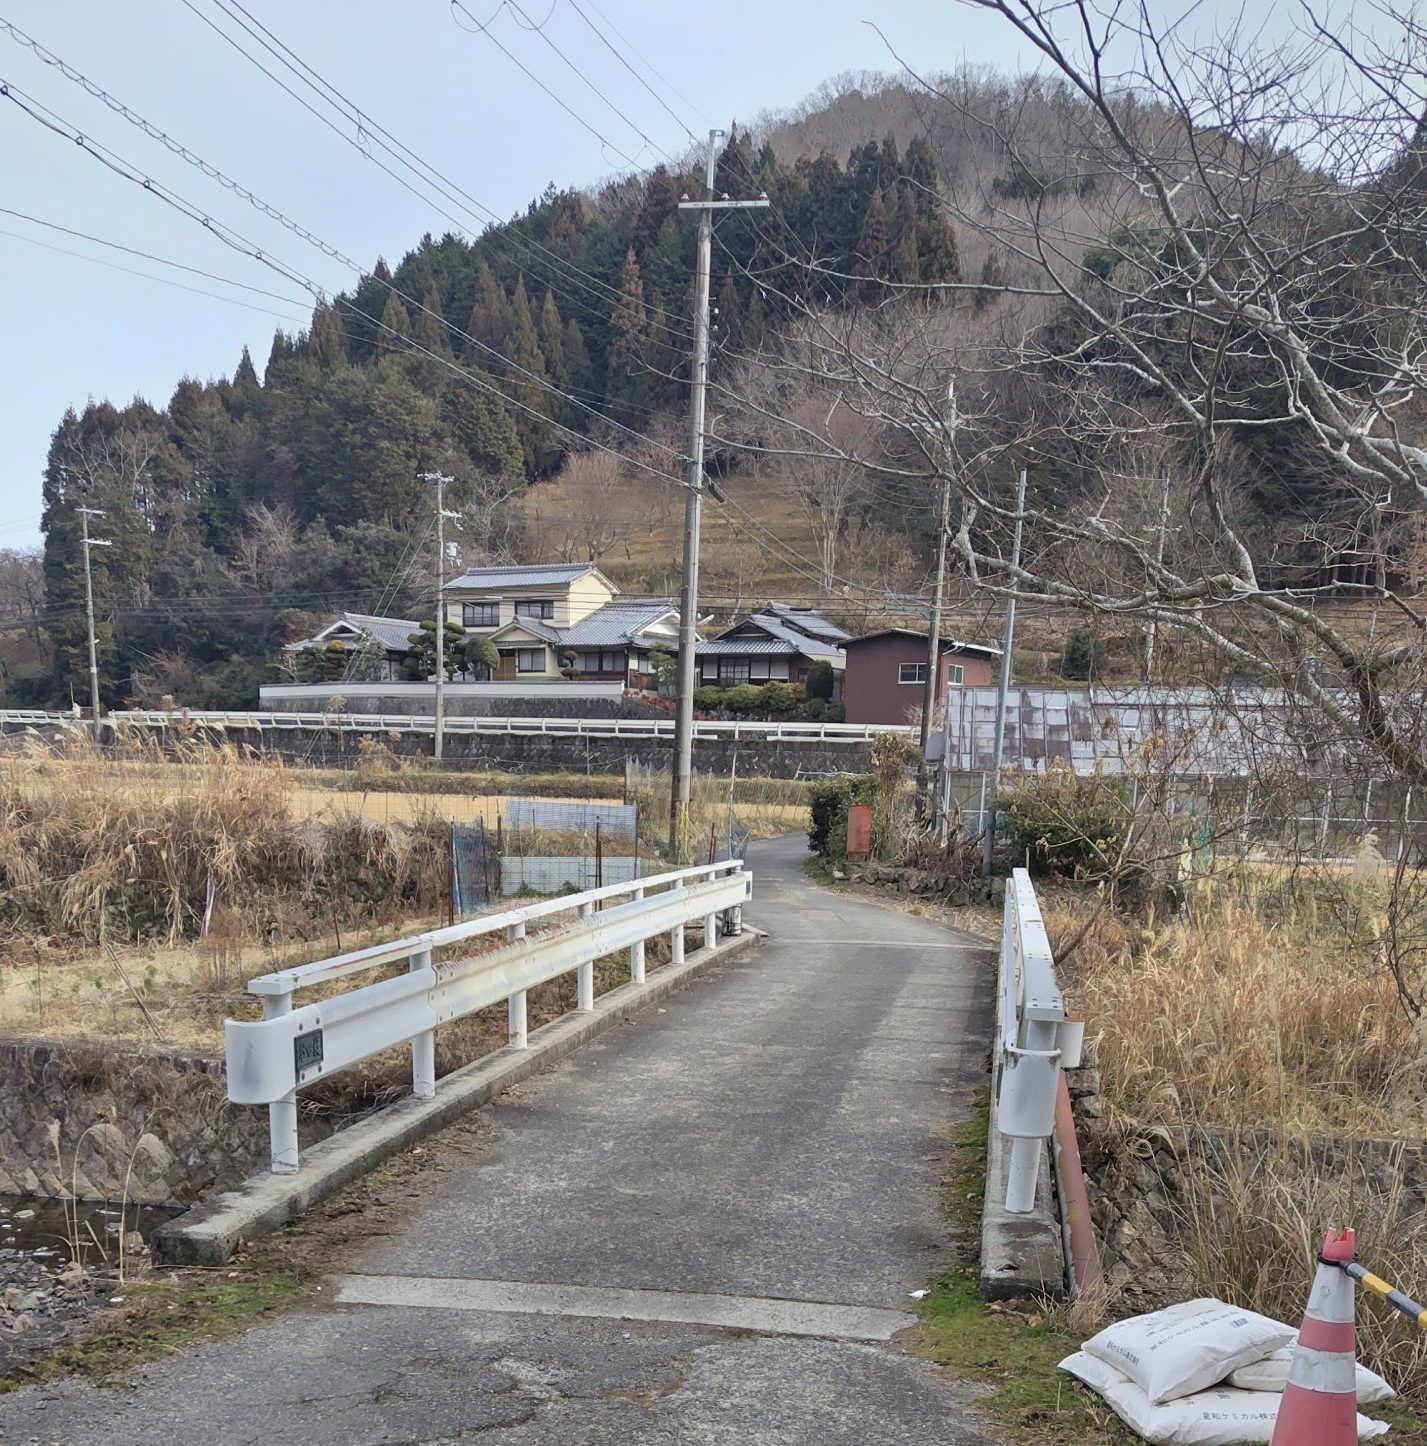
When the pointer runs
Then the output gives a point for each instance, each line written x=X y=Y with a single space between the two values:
x=133 y=844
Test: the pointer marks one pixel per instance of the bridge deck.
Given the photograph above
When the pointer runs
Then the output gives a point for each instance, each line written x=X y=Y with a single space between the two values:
x=704 y=1227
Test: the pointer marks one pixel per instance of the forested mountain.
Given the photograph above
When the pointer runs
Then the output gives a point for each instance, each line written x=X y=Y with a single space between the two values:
x=248 y=506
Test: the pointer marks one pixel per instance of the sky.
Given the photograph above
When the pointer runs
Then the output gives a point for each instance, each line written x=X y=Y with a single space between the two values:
x=426 y=72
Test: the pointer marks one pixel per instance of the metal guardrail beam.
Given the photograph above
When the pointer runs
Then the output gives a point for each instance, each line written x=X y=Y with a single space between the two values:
x=268 y=1060
x=1037 y=1040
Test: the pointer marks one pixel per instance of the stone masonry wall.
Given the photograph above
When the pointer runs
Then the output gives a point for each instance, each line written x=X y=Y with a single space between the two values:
x=1138 y=1180
x=107 y=1123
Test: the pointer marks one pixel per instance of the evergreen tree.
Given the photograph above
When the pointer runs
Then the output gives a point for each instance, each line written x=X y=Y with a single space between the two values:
x=625 y=373
x=730 y=311
x=525 y=373
x=429 y=329
x=904 y=250
x=245 y=376
x=872 y=246
x=578 y=376
x=324 y=342
x=755 y=322
x=395 y=328
x=941 y=260
x=283 y=351
x=551 y=332
x=993 y=277
x=487 y=324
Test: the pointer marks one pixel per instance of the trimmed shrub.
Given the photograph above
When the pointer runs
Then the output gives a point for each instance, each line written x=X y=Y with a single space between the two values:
x=778 y=698
x=821 y=680
x=708 y=699
x=742 y=700
x=1061 y=822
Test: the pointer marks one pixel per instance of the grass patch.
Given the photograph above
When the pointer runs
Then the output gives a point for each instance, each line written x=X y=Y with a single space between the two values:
x=161 y=1316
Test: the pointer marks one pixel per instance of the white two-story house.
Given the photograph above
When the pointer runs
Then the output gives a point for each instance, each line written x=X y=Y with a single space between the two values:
x=551 y=621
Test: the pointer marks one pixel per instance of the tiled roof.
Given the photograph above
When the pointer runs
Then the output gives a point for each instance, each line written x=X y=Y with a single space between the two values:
x=806 y=620
x=533 y=626
x=392 y=633
x=541 y=574
x=615 y=624
x=749 y=647
x=809 y=647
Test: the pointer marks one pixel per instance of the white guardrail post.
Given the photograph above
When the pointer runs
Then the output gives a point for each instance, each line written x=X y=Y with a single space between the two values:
x=1037 y=1040
x=270 y=1059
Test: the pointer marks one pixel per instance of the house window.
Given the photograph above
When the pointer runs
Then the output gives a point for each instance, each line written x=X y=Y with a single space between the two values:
x=535 y=607
x=912 y=673
x=954 y=675
x=733 y=670
x=481 y=614
x=599 y=662
x=530 y=660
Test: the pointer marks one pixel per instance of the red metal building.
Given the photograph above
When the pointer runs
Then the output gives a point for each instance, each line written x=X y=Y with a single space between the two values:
x=886 y=675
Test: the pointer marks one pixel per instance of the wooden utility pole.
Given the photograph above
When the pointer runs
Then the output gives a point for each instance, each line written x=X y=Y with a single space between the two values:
x=693 y=501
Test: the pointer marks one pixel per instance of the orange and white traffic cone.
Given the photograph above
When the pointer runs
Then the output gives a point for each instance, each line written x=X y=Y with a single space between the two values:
x=1320 y=1402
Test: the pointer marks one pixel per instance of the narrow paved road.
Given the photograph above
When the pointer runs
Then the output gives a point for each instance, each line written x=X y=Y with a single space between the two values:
x=702 y=1228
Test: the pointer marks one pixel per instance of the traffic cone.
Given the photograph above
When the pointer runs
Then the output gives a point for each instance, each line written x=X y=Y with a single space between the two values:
x=1320 y=1402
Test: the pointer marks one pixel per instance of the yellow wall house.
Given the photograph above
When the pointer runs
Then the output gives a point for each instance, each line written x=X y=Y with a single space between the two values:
x=552 y=621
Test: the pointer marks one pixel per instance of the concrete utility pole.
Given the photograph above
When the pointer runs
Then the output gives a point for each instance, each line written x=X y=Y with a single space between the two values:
x=440 y=479
x=693 y=501
x=929 y=696
x=85 y=513
x=1003 y=686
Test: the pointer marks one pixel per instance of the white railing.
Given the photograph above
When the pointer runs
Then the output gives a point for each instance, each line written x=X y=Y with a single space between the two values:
x=709 y=729
x=1037 y=1040
x=268 y=1060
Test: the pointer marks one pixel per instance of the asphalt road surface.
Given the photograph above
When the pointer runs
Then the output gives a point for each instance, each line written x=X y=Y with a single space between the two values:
x=704 y=1227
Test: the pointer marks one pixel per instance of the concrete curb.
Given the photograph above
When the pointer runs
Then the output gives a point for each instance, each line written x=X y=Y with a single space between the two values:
x=209 y=1234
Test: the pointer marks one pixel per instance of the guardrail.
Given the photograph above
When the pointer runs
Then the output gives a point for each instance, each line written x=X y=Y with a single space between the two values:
x=269 y=1060
x=1037 y=1040
x=708 y=729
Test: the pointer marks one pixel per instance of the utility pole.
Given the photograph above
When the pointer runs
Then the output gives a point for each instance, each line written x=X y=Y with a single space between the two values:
x=929 y=695
x=1003 y=686
x=85 y=513
x=440 y=479
x=693 y=500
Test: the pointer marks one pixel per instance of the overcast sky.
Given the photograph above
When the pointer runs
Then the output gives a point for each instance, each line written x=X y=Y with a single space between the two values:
x=76 y=329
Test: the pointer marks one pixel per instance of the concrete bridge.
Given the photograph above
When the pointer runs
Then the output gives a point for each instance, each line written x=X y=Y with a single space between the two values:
x=705 y=1226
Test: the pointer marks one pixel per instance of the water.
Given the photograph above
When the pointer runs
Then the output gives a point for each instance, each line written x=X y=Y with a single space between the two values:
x=44 y=1230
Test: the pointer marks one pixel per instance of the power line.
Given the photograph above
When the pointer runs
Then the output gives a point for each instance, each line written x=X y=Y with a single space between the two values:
x=149 y=256
x=644 y=60
x=614 y=51
x=236 y=241
x=148 y=276
x=525 y=69
x=369 y=131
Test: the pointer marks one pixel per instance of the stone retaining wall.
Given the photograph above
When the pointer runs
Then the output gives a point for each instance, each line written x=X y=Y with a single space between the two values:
x=109 y=1123
x=1139 y=1183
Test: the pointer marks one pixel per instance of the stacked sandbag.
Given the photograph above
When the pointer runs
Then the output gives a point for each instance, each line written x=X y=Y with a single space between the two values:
x=1170 y=1375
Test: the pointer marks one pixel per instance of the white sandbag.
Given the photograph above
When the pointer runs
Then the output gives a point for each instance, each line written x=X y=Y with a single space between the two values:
x=1221 y=1417
x=1186 y=1348
x=1271 y=1374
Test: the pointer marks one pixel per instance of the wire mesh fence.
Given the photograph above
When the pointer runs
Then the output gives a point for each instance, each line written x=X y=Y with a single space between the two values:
x=547 y=846
x=475 y=869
